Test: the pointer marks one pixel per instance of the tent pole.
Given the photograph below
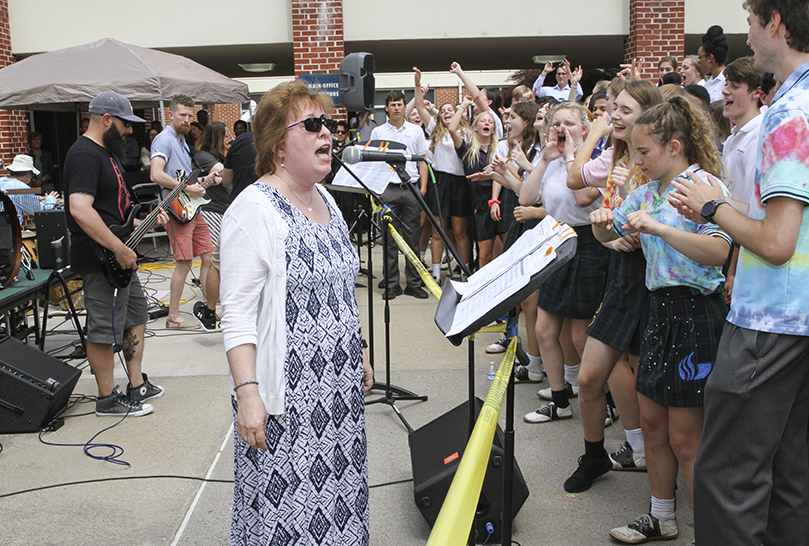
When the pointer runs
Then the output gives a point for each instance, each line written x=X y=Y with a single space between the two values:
x=162 y=114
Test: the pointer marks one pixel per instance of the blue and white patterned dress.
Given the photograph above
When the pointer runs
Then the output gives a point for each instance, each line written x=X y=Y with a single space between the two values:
x=311 y=487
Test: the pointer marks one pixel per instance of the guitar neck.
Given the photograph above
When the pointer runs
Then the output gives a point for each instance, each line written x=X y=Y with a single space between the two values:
x=147 y=223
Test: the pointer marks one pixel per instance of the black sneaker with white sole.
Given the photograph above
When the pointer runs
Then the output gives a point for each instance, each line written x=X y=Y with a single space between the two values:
x=205 y=317
x=145 y=391
x=646 y=528
x=523 y=375
x=626 y=459
x=118 y=405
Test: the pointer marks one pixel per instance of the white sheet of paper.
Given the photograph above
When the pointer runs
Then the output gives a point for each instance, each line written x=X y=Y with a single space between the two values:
x=507 y=274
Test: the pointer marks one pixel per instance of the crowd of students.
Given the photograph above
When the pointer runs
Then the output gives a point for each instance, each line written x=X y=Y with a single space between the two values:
x=648 y=289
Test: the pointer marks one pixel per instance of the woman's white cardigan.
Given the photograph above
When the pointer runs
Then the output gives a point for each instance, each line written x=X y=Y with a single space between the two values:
x=253 y=289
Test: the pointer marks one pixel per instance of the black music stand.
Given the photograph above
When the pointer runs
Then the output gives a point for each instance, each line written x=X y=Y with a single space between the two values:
x=392 y=392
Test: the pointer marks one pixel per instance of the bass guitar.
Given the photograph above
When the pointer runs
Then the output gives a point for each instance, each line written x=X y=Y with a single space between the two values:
x=117 y=276
x=184 y=207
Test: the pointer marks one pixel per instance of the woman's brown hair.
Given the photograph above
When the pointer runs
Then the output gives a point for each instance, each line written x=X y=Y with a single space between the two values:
x=272 y=118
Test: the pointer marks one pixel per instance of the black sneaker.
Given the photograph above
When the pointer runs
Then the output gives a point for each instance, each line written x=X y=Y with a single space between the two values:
x=145 y=391
x=118 y=405
x=626 y=459
x=589 y=469
x=205 y=317
x=646 y=528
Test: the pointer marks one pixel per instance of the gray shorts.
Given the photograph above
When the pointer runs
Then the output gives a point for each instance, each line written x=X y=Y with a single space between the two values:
x=131 y=308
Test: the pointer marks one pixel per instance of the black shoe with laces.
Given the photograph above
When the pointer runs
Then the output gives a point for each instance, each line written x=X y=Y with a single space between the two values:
x=119 y=405
x=205 y=317
x=145 y=391
x=589 y=469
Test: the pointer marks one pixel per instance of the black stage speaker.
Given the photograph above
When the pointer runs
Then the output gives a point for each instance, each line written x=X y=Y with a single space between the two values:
x=357 y=84
x=52 y=226
x=34 y=387
x=435 y=452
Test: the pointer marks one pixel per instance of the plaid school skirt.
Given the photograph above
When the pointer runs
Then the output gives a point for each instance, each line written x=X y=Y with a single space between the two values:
x=680 y=344
x=621 y=318
x=576 y=289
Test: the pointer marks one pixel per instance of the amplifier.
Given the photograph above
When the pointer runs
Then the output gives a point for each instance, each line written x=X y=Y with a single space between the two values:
x=34 y=387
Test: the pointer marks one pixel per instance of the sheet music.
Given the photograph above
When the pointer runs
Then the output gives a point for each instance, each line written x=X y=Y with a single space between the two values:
x=532 y=252
x=376 y=175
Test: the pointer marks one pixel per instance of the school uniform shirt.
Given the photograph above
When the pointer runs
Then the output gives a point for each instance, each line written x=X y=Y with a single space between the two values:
x=739 y=158
x=770 y=298
x=443 y=157
x=412 y=137
x=558 y=198
x=715 y=86
x=666 y=266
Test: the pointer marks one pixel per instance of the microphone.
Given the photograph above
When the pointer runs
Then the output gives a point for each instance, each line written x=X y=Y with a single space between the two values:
x=355 y=154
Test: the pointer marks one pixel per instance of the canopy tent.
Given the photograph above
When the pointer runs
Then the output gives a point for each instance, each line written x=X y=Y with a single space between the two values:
x=67 y=79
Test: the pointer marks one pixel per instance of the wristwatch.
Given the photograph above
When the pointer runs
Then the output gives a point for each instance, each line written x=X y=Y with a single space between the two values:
x=709 y=208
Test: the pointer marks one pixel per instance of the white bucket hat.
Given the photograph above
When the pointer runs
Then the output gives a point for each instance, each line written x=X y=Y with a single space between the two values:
x=23 y=164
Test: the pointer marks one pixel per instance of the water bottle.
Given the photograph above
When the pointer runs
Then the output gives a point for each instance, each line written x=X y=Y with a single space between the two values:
x=491 y=372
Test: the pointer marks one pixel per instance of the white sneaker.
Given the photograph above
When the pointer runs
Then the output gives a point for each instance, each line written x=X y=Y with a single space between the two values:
x=498 y=346
x=547 y=413
x=572 y=392
x=523 y=375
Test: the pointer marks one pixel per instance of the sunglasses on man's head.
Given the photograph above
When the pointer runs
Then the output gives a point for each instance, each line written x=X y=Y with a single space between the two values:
x=126 y=122
x=313 y=125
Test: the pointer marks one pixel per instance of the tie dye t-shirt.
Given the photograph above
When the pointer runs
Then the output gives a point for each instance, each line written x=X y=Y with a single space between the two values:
x=666 y=266
x=770 y=298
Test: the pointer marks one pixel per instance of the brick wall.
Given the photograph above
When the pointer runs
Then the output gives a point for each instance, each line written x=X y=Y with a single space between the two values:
x=13 y=131
x=446 y=94
x=656 y=29
x=317 y=38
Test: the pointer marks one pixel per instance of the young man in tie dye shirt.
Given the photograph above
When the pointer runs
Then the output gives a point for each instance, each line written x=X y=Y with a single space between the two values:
x=752 y=474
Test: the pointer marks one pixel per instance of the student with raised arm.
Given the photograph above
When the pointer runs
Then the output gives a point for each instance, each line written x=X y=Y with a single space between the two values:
x=450 y=195
x=751 y=477
x=481 y=99
x=620 y=321
x=686 y=312
x=476 y=154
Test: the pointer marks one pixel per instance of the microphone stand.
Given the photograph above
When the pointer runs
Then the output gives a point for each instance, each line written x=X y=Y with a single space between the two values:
x=392 y=392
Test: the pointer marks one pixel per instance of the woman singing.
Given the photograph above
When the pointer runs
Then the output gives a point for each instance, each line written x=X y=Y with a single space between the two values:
x=292 y=335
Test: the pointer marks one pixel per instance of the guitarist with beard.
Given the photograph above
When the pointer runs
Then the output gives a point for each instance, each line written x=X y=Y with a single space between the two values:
x=97 y=197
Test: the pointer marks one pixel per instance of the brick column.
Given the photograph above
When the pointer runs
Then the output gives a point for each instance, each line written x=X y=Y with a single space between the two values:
x=656 y=29
x=317 y=38
x=13 y=135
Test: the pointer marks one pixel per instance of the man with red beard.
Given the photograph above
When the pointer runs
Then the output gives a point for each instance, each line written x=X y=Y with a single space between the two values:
x=97 y=196
x=170 y=154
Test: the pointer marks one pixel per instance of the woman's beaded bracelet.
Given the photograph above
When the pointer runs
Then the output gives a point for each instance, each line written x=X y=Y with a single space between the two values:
x=243 y=383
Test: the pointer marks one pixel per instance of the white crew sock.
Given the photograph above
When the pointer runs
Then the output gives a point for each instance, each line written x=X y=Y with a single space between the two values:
x=437 y=270
x=635 y=439
x=663 y=509
x=572 y=374
x=534 y=364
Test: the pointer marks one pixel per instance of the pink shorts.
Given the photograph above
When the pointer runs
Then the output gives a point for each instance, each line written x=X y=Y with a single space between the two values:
x=189 y=240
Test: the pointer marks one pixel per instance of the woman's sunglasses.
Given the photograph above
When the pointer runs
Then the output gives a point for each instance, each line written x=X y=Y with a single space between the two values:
x=313 y=125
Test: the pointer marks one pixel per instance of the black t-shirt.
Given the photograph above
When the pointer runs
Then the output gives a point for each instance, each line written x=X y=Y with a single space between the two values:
x=90 y=168
x=218 y=194
x=242 y=159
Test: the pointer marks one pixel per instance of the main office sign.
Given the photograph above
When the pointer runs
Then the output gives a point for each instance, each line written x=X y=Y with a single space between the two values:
x=324 y=83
